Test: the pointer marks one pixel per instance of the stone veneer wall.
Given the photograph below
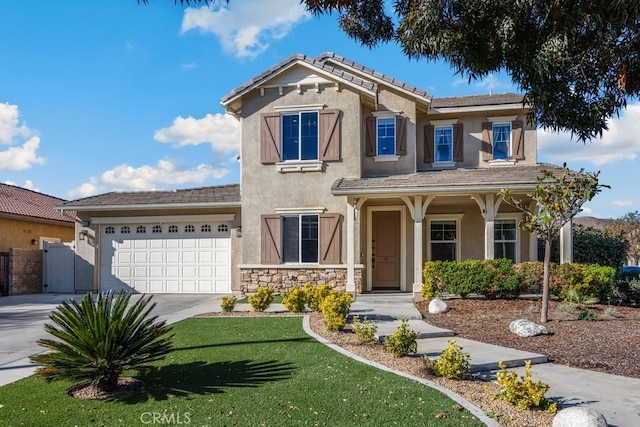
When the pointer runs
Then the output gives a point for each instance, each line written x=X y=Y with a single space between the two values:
x=25 y=271
x=284 y=279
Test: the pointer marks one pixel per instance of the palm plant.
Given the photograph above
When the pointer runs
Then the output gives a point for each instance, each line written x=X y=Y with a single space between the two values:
x=98 y=339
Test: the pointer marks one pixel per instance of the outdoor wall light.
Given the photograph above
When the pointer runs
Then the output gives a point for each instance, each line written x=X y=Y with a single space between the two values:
x=83 y=234
x=34 y=241
x=239 y=231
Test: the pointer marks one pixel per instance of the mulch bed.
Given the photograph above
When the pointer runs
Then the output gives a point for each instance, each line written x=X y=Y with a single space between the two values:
x=609 y=344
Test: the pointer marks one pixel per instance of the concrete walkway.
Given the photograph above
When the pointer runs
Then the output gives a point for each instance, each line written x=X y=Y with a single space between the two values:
x=616 y=397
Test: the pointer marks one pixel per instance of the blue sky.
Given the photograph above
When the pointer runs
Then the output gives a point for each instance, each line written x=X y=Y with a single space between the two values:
x=113 y=95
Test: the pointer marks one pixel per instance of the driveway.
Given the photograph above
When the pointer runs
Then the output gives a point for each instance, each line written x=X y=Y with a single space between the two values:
x=22 y=319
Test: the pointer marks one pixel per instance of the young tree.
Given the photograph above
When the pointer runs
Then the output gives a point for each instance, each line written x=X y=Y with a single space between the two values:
x=575 y=61
x=628 y=228
x=557 y=198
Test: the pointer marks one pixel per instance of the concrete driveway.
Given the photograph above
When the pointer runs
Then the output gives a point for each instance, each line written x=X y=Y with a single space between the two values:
x=22 y=319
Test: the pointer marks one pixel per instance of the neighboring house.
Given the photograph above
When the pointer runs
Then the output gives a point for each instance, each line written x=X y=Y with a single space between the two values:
x=348 y=177
x=28 y=218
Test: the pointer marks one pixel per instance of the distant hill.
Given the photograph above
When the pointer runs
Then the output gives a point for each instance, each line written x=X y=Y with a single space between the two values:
x=589 y=221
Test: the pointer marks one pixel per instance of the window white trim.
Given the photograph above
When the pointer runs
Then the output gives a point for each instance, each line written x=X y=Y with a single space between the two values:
x=448 y=122
x=299 y=113
x=445 y=217
x=509 y=142
x=443 y=165
x=301 y=211
x=300 y=166
x=501 y=119
x=387 y=158
x=403 y=243
x=516 y=217
x=502 y=162
x=385 y=114
x=435 y=144
x=395 y=142
x=294 y=108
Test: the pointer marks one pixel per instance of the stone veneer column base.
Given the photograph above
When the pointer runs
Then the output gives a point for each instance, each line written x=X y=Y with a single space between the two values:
x=283 y=279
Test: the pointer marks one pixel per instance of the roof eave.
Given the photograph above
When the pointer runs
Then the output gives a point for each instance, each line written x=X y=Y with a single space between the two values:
x=143 y=206
x=478 y=108
x=418 y=190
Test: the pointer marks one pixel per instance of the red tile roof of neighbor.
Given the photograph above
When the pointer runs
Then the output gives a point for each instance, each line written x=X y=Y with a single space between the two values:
x=17 y=201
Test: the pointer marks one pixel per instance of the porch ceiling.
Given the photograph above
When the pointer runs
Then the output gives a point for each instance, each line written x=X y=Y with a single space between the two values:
x=462 y=180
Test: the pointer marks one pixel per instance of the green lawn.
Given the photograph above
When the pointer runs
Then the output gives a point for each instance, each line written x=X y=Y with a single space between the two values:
x=258 y=371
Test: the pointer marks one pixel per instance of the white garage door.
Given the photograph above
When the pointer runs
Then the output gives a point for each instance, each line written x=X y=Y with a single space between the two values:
x=166 y=258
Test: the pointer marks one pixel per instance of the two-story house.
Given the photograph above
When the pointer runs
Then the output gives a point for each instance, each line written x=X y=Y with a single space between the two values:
x=348 y=177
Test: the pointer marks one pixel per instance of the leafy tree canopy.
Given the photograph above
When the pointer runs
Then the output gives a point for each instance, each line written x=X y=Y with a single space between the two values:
x=576 y=61
x=628 y=228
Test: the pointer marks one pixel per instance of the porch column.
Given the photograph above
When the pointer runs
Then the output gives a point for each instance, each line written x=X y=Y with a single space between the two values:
x=489 y=218
x=418 y=216
x=566 y=243
x=351 y=275
x=533 y=247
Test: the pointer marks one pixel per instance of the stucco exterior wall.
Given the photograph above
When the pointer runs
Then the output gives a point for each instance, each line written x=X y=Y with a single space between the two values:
x=16 y=233
x=25 y=271
x=264 y=189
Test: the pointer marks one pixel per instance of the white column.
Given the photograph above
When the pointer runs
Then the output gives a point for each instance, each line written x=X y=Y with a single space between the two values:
x=418 y=216
x=533 y=247
x=566 y=243
x=489 y=218
x=351 y=281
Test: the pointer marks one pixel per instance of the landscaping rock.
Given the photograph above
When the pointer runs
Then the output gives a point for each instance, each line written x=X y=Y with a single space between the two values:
x=437 y=306
x=578 y=416
x=526 y=328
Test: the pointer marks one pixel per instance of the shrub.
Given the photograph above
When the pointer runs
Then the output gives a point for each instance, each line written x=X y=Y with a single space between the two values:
x=565 y=308
x=262 y=299
x=97 y=340
x=524 y=393
x=587 y=315
x=611 y=312
x=294 y=299
x=365 y=331
x=532 y=309
x=335 y=308
x=402 y=342
x=452 y=362
x=228 y=303
x=315 y=295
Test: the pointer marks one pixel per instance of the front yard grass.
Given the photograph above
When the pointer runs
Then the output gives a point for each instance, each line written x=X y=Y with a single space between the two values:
x=256 y=371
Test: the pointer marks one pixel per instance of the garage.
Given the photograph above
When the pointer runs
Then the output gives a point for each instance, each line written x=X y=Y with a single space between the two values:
x=178 y=256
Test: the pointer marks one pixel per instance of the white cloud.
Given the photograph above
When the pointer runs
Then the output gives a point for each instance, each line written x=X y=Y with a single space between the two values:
x=492 y=83
x=620 y=142
x=222 y=131
x=9 y=124
x=129 y=178
x=28 y=184
x=245 y=27
x=622 y=202
x=21 y=157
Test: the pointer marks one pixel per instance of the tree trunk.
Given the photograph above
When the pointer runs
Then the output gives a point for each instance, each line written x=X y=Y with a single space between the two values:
x=108 y=383
x=544 y=312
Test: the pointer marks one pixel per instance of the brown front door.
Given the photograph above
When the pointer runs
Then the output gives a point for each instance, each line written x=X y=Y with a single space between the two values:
x=385 y=250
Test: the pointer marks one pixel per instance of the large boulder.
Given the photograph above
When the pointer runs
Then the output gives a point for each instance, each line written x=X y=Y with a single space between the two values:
x=437 y=306
x=579 y=416
x=526 y=328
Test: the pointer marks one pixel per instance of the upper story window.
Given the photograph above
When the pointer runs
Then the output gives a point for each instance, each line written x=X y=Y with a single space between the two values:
x=443 y=143
x=300 y=136
x=501 y=140
x=386 y=136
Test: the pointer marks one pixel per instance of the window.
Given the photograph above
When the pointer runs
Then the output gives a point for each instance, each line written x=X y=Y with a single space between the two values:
x=125 y=229
x=443 y=143
x=223 y=228
x=156 y=229
x=300 y=238
x=501 y=140
x=386 y=136
x=300 y=136
x=189 y=229
x=141 y=229
x=109 y=230
x=173 y=229
x=206 y=228
x=444 y=240
x=504 y=239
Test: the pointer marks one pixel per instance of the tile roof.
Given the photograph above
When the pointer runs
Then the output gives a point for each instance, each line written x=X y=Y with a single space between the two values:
x=477 y=100
x=204 y=195
x=22 y=202
x=445 y=180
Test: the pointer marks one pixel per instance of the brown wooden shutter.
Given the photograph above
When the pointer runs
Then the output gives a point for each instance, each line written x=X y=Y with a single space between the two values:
x=371 y=136
x=517 y=139
x=330 y=238
x=270 y=239
x=429 y=140
x=487 y=143
x=458 y=144
x=269 y=138
x=329 y=135
x=401 y=135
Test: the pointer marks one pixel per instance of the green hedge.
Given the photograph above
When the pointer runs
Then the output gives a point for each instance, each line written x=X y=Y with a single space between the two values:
x=500 y=278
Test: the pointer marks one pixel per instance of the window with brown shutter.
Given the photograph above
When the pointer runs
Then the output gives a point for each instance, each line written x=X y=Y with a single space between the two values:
x=401 y=135
x=270 y=239
x=487 y=141
x=330 y=238
x=371 y=136
x=269 y=138
x=429 y=142
x=517 y=139
x=386 y=136
x=329 y=135
x=458 y=144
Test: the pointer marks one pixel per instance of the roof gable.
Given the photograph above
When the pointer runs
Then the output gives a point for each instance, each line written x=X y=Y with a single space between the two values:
x=17 y=201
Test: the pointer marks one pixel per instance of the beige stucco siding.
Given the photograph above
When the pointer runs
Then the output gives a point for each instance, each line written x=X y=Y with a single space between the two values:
x=16 y=233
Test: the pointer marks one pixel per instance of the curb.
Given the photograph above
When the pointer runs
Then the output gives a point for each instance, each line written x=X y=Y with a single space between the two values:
x=477 y=412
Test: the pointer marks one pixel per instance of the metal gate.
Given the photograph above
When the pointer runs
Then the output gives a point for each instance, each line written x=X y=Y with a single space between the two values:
x=58 y=267
x=4 y=274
